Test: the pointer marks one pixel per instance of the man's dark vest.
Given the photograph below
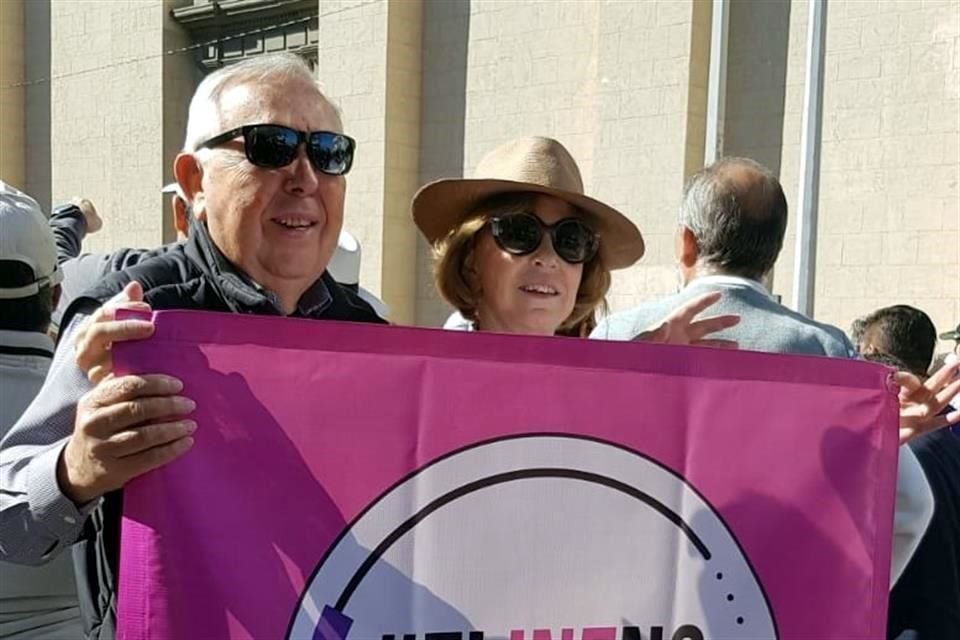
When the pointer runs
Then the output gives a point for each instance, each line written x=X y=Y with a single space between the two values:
x=195 y=276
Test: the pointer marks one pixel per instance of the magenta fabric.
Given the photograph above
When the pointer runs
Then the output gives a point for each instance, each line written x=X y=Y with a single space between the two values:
x=303 y=425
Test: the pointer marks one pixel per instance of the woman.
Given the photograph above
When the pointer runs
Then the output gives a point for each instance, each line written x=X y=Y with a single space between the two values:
x=521 y=249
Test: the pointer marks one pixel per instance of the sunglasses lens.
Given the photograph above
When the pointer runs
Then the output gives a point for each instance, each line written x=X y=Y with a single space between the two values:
x=271 y=146
x=574 y=241
x=331 y=153
x=518 y=234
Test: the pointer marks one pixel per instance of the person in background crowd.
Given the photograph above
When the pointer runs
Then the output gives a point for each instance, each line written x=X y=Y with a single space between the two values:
x=345 y=269
x=263 y=168
x=952 y=356
x=925 y=603
x=39 y=603
x=72 y=222
x=733 y=217
x=905 y=332
x=521 y=249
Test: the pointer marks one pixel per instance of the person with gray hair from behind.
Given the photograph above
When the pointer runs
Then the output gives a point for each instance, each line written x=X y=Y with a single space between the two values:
x=733 y=218
x=263 y=168
x=35 y=602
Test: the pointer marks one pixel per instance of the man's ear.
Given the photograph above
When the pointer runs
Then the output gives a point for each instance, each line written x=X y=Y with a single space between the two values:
x=181 y=222
x=688 y=252
x=189 y=174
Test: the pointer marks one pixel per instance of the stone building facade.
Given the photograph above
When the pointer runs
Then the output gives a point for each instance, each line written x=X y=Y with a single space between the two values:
x=94 y=98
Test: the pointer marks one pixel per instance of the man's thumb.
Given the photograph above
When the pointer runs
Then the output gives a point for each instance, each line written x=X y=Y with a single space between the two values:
x=133 y=292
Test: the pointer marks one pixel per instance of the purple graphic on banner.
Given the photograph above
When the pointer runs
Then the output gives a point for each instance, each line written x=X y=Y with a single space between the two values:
x=333 y=625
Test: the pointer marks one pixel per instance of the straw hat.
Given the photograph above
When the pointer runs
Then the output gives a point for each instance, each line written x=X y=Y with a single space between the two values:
x=539 y=165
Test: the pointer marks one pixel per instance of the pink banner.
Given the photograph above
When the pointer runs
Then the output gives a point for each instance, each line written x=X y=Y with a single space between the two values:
x=382 y=483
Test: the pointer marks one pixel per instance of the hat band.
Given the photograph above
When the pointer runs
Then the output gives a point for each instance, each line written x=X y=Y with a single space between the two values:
x=32 y=289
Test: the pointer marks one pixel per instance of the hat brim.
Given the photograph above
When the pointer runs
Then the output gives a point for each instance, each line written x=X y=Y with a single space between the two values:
x=440 y=206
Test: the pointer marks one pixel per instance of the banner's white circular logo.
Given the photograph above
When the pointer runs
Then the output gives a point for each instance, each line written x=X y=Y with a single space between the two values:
x=536 y=538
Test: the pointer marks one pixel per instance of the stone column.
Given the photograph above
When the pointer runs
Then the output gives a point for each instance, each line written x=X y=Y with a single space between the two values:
x=12 y=92
x=369 y=61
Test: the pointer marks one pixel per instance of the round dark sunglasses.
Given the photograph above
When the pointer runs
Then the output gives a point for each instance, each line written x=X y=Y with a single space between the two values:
x=273 y=146
x=521 y=233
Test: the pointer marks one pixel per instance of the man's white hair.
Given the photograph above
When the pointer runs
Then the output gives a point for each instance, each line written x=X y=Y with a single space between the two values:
x=204 y=120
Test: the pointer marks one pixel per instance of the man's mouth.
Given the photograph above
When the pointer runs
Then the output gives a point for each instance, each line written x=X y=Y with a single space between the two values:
x=295 y=222
x=539 y=289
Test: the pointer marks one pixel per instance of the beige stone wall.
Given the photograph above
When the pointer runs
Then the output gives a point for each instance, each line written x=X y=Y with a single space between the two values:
x=611 y=80
x=107 y=115
x=889 y=227
x=12 y=92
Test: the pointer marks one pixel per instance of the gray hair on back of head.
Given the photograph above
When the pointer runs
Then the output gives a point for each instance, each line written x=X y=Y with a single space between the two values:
x=737 y=233
x=204 y=119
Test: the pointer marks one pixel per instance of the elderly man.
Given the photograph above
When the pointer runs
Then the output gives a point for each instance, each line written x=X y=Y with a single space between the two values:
x=263 y=169
x=732 y=222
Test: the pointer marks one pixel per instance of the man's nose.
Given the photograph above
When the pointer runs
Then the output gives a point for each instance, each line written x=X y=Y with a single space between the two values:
x=303 y=178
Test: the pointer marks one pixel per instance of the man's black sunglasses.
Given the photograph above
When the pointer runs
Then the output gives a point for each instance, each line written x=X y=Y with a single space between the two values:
x=272 y=146
x=521 y=233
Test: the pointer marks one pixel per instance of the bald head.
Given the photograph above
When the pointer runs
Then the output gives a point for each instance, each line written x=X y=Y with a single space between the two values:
x=754 y=188
x=737 y=214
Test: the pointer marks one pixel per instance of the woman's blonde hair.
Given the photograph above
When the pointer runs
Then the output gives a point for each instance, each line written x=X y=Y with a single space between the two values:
x=457 y=282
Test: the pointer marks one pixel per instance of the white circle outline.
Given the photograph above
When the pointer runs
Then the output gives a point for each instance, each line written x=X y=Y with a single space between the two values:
x=409 y=497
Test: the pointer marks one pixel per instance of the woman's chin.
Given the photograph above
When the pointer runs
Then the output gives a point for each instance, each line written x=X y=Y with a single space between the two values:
x=538 y=324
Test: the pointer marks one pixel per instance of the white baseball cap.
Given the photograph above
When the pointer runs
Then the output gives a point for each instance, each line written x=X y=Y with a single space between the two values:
x=26 y=237
x=345 y=268
x=345 y=264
